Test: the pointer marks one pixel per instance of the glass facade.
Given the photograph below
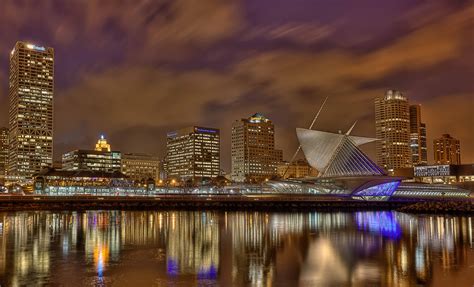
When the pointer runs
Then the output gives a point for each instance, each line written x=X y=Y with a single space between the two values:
x=193 y=153
x=31 y=89
x=92 y=160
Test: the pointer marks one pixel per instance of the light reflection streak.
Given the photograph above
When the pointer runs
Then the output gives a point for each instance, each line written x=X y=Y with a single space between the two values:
x=252 y=245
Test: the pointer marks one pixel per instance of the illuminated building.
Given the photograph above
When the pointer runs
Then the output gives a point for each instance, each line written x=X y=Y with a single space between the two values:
x=139 y=166
x=447 y=150
x=96 y=160
x=31 y=89
x=392 y=128
x=440 y=173
x=193 y=153
x=70 y=182
x=253 y=153
x=345 y=171
x=418 y=146
x=102 y=144
x=3 y=152
x=297 y=169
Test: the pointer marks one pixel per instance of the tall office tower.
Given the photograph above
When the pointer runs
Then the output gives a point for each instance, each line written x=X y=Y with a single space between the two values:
x=392 y=128
x=419 y=152
x=31 y=89
x=193 y=153
x=3 y=152
x=447 y=150
x=139 y=166
x=253 y=153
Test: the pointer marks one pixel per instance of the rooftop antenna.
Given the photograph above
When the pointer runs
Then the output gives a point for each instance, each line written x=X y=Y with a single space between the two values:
x=310 y=127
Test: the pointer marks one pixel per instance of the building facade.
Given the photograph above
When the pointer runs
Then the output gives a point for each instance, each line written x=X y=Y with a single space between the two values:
x=392 y=128
x=447 y=150
x=3 y=152
x=193 y=153
x=439 y=173
x=418 y=146
x=297 y=169
x=140 y=167
x=31 y=90
x=100 y=159
x=253 y=154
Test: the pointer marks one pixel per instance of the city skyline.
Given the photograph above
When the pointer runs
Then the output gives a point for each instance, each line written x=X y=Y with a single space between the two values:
x=179 y=87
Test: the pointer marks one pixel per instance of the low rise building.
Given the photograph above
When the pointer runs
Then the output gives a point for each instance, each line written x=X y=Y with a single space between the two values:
x=85 y=182
x=441 y=173
x=140 y=166
x=297 y=169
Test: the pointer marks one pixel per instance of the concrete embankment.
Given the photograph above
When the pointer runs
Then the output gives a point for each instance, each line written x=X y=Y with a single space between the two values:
x=226 y=202
x=440 y=207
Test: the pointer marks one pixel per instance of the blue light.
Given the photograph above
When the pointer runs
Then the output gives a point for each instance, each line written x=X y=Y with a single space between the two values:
x=201 y=130
x=383 y=223
x=172 y=267
x=210 y=273
x=384 y=189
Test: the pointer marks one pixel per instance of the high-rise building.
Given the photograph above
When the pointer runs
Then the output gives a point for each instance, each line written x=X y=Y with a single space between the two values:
x=3 y=152
x=447 y=150
x=100 y=159
x=418 y=146
x=139 y=166
x=193 y=153
x=31 y=89
x=253 y=153
x=392 y=128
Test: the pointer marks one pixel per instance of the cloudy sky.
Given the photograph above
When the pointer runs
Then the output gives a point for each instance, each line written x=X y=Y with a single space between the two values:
x=134 y=70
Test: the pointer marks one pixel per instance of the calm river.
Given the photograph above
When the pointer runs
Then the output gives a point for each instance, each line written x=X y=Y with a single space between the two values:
x=215 y=248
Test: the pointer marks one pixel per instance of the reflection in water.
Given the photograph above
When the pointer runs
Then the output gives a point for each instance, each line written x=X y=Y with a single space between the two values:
x=234 y=248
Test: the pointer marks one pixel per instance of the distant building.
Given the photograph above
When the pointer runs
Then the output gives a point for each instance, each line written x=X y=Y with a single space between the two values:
x=94 y=160
x=392 y=128
x=440 y=173
x=253 y=154
x=418 y=146
x=297 y=169
x=3 y=152
x=193 y=153
x=140 y=167
x=31 y=89
x=447 y=150
x=102 y=144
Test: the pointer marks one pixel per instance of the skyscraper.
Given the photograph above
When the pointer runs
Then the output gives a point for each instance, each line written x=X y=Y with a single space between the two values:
x=447 y=150
x=419 y=152
x=31 y=89
x=392 y=128
x=253 y=153
x=3 y=152
x=193 y=153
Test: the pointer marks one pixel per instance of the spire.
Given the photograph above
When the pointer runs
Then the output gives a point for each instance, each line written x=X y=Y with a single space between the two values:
x=102 y=144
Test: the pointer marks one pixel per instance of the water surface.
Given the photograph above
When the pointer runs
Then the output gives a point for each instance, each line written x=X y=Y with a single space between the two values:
x=214 y=248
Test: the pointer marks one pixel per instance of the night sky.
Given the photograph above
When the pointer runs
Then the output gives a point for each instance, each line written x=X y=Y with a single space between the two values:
x=134 y=70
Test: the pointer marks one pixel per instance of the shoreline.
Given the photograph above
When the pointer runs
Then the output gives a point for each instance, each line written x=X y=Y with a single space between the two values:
x=238 y=203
